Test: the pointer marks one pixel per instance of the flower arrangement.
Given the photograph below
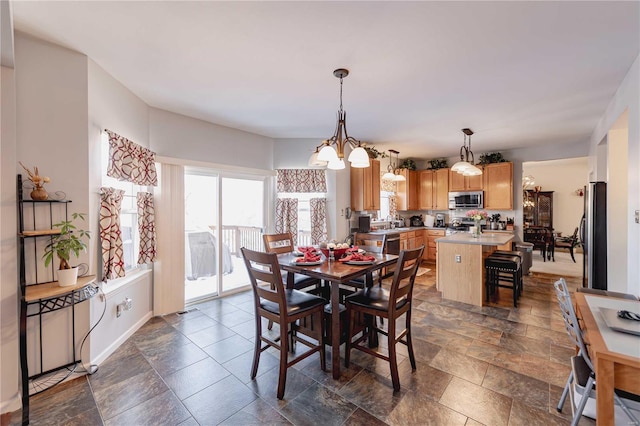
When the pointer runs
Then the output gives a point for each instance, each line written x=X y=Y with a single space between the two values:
x=477 y=215
x=35 y=178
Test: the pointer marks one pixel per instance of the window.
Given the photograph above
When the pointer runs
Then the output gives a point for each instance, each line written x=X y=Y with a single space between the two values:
x=385 y=205
x=304 y=213
x=129 y=212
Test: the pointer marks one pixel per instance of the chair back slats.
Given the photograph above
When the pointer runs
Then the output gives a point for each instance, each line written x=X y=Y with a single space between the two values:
x=264 y=267
x=278 y=243
x=365 y=242
x=570 y=319
x=405 y=275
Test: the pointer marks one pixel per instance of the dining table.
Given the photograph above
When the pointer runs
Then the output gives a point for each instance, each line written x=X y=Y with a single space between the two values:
x=336 y=273
x=615 y=355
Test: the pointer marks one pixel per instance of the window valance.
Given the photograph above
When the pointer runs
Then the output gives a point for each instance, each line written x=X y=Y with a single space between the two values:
x=131 y=162
x=301 y=180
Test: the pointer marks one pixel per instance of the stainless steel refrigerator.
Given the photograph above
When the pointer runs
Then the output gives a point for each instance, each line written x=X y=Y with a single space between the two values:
x=593 y=234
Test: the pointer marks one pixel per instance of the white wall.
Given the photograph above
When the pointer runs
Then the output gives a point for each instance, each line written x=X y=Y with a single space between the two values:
x=9 y=359
x=112 y=106
x=617 y=203
x=179 y=136
x=563 y=177
x=627 y=97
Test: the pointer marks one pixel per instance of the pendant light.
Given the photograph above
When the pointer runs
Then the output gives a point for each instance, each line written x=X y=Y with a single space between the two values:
x=331 y=151
x=466 y=164
x=392 y=173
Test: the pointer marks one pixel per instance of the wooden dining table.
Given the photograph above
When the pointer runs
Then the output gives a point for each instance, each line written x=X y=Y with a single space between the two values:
x=615 y=355
x=335 y=273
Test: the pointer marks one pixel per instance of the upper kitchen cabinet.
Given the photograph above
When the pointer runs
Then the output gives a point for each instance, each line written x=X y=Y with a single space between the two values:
x=459 y=182
x=433 y=189
x=498 y=186
x=407 y=191
x=365 y=187
x=441 y=189
x=425 y=193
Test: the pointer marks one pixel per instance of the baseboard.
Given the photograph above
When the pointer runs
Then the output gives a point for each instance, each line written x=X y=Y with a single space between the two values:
x=117 y=343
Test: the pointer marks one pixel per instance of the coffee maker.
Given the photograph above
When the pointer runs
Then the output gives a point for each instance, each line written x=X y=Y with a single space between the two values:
x=439 y=220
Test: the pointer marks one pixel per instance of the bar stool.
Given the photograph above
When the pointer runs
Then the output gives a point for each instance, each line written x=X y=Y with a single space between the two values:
x=520 y=256
x=506 y=269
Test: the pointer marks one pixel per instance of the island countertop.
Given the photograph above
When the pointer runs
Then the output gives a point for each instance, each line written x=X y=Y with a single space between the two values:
x=487 y=239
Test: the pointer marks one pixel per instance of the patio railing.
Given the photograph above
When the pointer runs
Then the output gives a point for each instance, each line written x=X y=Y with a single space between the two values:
x=250 y=237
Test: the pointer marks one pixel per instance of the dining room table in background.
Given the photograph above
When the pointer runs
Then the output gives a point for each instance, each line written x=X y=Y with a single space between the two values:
x=335 y=273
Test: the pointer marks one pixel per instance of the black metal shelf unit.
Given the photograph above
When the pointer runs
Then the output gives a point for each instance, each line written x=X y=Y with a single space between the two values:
x=42 y=295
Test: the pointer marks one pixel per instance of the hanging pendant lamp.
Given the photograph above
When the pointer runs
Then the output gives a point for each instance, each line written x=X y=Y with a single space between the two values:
x=331 y=151
x=466 y=164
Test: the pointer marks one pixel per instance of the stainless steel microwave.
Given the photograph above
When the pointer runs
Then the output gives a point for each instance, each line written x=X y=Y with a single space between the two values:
x=466 y=200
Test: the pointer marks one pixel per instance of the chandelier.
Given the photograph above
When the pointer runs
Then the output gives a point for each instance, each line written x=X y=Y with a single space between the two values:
x=333 y=158
x=392 y=169
x=466 y=164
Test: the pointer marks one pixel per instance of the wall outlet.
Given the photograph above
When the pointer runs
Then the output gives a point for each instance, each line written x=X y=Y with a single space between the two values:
x=637 y=216
x=125 y=305
x=458 y=258
x=118 y=310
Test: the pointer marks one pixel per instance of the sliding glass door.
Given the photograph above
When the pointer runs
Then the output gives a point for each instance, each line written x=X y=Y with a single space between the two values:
x=223 y=213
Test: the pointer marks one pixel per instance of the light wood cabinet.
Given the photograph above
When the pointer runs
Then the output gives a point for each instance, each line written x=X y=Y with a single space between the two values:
x=426 y=192
x=407 y=240
x=431 y=248
x=407 y=191
x=459 y=182
x=365 y=187
x=498 y=186
x=433 y=192
x=441 y=189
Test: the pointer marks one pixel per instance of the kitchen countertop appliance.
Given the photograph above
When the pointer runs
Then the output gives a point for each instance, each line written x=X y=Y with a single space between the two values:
x=458 y=225
x=439 y=220
x=417 y=221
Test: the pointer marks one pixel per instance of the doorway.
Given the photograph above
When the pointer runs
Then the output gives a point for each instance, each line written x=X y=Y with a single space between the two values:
x=223 y=213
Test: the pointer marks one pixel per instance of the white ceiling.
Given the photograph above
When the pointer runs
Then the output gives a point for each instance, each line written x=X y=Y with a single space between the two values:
x=516 y=73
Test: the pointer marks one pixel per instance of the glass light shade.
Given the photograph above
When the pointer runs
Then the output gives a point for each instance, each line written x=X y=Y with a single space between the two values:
x=337 y=164
x=472 y=171
x=388 y=176
x=313 y=160
x=327 y=153
x=360 y=165
x=359 y=155
x=399 y=178
x=460 y=166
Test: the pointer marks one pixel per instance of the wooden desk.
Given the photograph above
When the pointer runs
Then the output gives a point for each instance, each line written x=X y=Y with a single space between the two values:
x=615 y=355
x=335 y=273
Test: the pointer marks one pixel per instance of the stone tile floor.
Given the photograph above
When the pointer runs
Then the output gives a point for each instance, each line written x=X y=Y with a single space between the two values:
x=494 y=365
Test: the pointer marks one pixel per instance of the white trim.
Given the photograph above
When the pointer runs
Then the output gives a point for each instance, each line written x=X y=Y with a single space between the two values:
x=120 y=283
x=215 y=166
x=116 y=344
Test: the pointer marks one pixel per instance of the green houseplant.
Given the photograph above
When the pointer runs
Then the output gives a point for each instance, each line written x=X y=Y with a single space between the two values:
x=68 y=241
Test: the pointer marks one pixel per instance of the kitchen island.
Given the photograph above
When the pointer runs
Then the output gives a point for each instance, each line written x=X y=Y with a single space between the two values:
x=460 y=265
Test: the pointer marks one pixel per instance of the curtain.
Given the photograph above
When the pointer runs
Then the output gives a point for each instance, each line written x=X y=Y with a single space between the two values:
x=301 y=180
x=393 y=206
x=287 y=217
x=146 y=227
x=131 y=162
x=318 y=213
x=110 y=238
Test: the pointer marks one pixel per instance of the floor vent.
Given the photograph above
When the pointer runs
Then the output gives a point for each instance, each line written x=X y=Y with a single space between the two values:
x=187 y=311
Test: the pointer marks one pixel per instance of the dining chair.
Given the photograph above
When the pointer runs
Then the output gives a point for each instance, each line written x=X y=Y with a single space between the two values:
x=390 y=304
x=582 y=374
x=541 y=238
x=283 y=243
x=284 y=307
x=568 y=242
x=373 y=243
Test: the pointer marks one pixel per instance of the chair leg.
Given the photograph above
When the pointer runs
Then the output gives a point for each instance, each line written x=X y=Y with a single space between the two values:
x=583 y=401
x=412 y=357
x=565 y=392
x=571 y=252
x=393 y=360
x=257 y=351
x=514 y=277
x=618 y=401
x=347 y=347
x=284 y=343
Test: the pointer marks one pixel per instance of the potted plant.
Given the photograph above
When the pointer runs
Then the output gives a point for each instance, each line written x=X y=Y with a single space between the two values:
x=68 y=241
x=408 y=163
x=374 y=153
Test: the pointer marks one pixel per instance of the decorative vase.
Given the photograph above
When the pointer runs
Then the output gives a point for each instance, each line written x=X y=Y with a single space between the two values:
x=67 y=277
x=477 y=230
x=39 y=194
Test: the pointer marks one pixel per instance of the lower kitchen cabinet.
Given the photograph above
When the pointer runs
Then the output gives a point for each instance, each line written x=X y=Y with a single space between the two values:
x=431 y=248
